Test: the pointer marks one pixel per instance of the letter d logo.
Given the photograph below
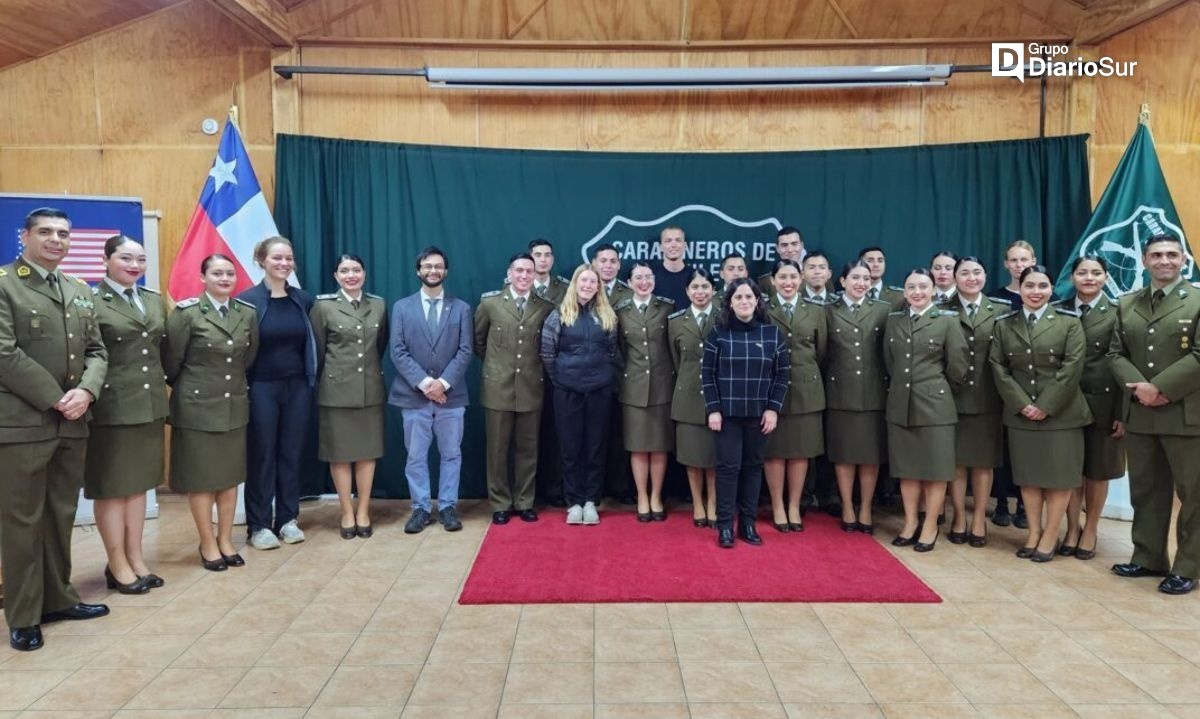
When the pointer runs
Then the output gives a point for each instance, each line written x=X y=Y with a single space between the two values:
x=1008 y=60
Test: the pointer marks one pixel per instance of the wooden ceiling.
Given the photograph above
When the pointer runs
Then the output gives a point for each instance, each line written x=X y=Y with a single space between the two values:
x=34 y=28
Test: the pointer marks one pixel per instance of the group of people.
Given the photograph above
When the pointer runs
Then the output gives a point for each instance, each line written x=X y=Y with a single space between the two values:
x=742 y=380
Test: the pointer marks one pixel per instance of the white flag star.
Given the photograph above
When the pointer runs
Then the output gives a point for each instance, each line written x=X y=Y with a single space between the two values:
x=223 y=172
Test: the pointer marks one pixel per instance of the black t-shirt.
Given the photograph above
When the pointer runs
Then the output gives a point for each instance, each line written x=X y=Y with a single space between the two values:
x=282 y=337
x=672 y=285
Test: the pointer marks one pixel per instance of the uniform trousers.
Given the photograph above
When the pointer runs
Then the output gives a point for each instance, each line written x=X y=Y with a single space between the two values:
x=741 y=446
x=583 y=425
x=518 y=430
x=279 y=414
x=1161 y=466
x=39 y=490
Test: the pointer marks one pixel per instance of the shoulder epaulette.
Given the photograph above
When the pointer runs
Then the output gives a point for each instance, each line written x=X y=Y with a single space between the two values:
x=150 y=290
x=95 y=290
x=895 y=288
x=1000 y=301
x=1114 y=301
x=536 y=296
x=1131 y=292
x=376 y=297
x=897 y=313
x=1061 y=303
x=1195 y=284
x=766 y=276
x=1067 y=311
x=244 y=303
x=945 y=313
x=75 y=279
x=620 y=282
x=1007 y=315
x=679 y=313
x=564 y=280
x=189 y=302
x=667 y=300
x=493 y=293
x=627 y=302
x=3 y=272
x=329 y=296
x=870 y=302
x=815 y=301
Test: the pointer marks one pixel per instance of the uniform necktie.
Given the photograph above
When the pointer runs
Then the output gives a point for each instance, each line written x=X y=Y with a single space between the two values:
x=703 y=320
x=854 y=308
x=642 y=309
x=541 y=290
x=224 y=312
x=971 y=308
x=1084 y=310
x=1156 y=299
x=521 y=307
x=133 y=303
x=788 y=309
x=53 y=280
x=1031 y=320
x=355 y=303
x=873 y=293
x=431 y=317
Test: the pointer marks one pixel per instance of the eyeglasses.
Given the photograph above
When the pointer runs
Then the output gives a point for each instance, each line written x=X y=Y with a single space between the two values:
x=431 y=268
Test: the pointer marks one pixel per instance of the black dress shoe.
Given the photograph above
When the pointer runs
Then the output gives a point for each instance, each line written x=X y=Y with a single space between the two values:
x=1002 y=518
x=1020 y=521
x=644 y=517
x=500 y=517
x=977 y=540
x=137 y=586
x=1026 y=552
x=235 y=559
x=527 y=515
x=849 y=526
x=923 y=547
x=748 y=534
x=1175 y=584
x=725 y=538
x=25 y=639
x=349 y=532
x=658 y=516
x=213 y=565
x=957 y=537
x=448 y=516
x=781 y=527
x=78 y=612
x=795 y=527
x=364 y=531
x=1067 y=550
x=696 y=521
x=154 y=581
x=864 y=528
x=419 y=520
x=901 y=541
x=1131 y=570
x=1042 y=557
x=1084 y=554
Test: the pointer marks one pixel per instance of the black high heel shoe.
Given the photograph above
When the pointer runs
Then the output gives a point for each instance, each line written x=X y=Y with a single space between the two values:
x=349 y=532
x=658 y=516
x=213 y=565
x=849 y=526
x=699 y=521
x=153 y=581
x=137 y=586
x=902 y=541
x=865 y=528
x=923 y=547
x=1026 y=552
x=233 y=560
x=644 y=517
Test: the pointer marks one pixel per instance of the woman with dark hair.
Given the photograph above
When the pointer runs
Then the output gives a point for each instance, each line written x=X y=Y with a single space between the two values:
x=579 y=352
x=644 y=389
x=745 y=374
x=1037 y=357
x=926 y=357
x=941 y=269
x=694 y=447
x=855 y=431
x=281 y=391
x=1104 y=439
x=211 y=343
x=800 y=435
x=125 y=451
x=351 y=332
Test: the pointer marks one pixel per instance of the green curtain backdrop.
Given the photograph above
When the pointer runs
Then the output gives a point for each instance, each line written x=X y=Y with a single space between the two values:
x=386 y=201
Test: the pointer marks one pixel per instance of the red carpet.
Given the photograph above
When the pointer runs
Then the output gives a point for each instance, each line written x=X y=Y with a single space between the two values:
x=620 y=560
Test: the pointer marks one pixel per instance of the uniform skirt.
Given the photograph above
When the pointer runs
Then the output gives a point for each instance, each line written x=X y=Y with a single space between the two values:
x=1103 y=456
x=647 y=429
x=855 y=437
x=979 y=441
x=123 y=460
x=350 y=434
x=695 y=446
x=1047 y=458
x=797 y=436
x=207 y=461
x=925 y=453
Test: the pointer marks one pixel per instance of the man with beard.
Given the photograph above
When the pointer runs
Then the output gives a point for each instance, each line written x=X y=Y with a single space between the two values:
x=431 y=348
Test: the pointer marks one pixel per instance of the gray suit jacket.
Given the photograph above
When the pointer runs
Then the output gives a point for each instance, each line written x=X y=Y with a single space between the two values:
x=417 y=354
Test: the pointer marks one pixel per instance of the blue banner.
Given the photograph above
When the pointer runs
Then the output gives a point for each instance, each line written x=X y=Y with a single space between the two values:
x=93 y=220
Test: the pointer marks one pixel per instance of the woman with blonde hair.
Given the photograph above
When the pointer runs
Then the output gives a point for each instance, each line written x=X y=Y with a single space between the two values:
x=579 y=352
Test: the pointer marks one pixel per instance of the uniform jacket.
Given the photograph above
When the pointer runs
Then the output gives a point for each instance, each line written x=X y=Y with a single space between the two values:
x=620 y=293
x=417 y=353
x=855 y=379
x=686 y=343
x=259 y=297
x=648 y=377
x=555 y=291
x=206 y=362
x=926 y=358
x=807 y=335
x=135 y=390
x=1042 y=368
x=1159 y=346
x=48 y=345
x=979 y=394
x=582 y=357
x=745 y=369
x=1104 y=396
x=508 y=344
x=350 y=343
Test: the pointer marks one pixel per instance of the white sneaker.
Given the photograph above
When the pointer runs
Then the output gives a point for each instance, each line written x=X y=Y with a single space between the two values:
x=575 y=514
x=264 y=539
x=291 y=533
x=590 y=515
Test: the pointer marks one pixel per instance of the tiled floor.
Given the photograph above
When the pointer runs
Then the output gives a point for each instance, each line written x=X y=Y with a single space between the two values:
x=370 y=628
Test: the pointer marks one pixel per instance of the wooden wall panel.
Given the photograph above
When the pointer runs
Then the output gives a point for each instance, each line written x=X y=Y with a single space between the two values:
x=51 y=170
x=516 y=119
x=642 y=121
x=51 y=100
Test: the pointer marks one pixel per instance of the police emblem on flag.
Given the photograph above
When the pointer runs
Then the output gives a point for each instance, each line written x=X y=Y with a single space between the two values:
x=1121 y=245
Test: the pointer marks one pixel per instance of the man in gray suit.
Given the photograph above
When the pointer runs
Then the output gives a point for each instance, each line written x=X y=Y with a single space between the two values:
x=431 y=348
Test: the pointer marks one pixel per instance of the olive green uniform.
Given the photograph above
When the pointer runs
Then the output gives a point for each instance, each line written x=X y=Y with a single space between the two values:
x=644 y=389
x=800 y=433
x=507 y=340
x=979 y=434
x=205 y=363
x=1158 y=344
x=694 y=446
x=619 y=293
x=894 y=296
x=49 y=343
x=1103 y=456
x=1042 y=366
x=855 y=394
x=125 y=451
x=926 y=357
x=350 y=390
x=618 y=476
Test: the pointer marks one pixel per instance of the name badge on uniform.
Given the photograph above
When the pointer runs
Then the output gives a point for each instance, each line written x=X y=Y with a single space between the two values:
x=35 y=323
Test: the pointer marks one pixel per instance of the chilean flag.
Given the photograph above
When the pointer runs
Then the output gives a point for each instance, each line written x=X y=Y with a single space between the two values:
x=231 y=218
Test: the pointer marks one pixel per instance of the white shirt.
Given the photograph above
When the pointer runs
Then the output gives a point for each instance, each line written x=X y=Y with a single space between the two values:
x=217 y=305
x=440 y=297
x=785 y=303
x=819 y=296
x=515 y=296
x=137 y=299
x=351 y=299
x=1080 y=305
x=1025 y=312
x=850 y=303
x=913 y=314
x=945 y=295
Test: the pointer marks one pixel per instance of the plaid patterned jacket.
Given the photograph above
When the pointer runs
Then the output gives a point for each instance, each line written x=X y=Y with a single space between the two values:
x=746 y=369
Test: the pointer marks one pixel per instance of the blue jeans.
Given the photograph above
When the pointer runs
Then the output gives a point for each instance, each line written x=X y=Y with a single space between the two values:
x=420 y=427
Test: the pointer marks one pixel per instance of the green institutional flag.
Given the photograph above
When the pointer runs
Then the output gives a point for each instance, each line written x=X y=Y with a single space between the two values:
x=1135 y=206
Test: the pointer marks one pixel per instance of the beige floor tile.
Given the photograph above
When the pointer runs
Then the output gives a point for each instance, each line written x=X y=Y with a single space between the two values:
x=969 y=589
x=833 y=711
x=20 y=689
x=1056 y=710
x=352 y=712
x=182 y=618
x=187 y=688
x=258 y=619
x=1006 y=617
x=907 y=683
x=545 y=711
x=754 y=710
x=1049 y=647
x=300 y=649
x=1167 y=683
x=1008 y=683
x=260 y=713
x=1184 y=711
x=796 y=645
x=957 y=645
x=355 y=591
x=930 y=616
x=631 y=645
x=638 y=682
x=779 y=615
x=476 y=685
x=1185 y=643
x=705 y=616
x=642 y=711
x=407 y=616
x=111 y=625
x=80 y=714
x=1124 y=646
x=267 y=687
x=222 y=650
x=142 y=652
x=732 y=682
x=929 y=711
x=825 y=682
x=855 y=617
x=426 y=711
x=535 y=683
x=1080 y=615
x=380 y=648
x=631 y=616
x=878 y=645
x=369 y=686
x=1153 y=611
x=1123 y=711
x=1088 y=684
x=545 y=643
x=484 y=616
x=155 y=714
x=558 y=615
x=93 y=689
x=328 y=618
x=65 y=653
x=732 y=644
x=473 y=644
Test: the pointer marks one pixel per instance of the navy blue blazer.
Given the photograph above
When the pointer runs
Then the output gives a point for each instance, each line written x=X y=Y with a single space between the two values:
x=417 y=354
x=746 y=369
x=260 y=296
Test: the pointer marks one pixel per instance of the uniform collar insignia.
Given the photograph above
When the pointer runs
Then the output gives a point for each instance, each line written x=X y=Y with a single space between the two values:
x=23 y=271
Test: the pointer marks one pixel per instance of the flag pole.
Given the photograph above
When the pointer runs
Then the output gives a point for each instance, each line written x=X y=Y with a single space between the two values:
x=233 y=114
x=1144 y=115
